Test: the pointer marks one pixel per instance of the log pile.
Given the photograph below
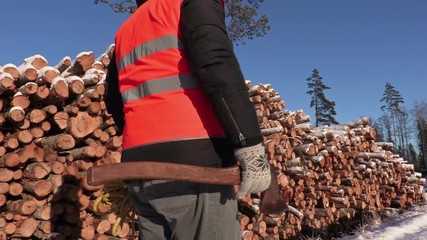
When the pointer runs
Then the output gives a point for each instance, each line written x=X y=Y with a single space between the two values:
x=326 y=174
x=54 y=126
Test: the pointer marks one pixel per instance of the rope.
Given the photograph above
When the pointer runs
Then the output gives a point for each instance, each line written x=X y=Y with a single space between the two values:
x=116 y=197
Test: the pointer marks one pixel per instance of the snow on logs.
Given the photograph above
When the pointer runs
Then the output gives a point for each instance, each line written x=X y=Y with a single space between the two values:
x=326 y=174
x=54 y=126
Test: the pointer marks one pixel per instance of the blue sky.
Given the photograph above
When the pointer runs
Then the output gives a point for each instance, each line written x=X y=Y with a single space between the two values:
x=357 y=46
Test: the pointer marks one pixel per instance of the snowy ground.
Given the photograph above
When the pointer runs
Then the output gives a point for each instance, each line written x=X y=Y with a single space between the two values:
x=411 y=225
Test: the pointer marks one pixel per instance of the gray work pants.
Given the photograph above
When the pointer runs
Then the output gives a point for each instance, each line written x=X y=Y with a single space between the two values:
x=184 y=211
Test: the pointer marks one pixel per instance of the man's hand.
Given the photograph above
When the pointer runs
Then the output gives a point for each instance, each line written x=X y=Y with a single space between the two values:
x=255 y=170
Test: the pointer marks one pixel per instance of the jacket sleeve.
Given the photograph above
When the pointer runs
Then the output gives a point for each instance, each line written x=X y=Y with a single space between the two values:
x=113 y=98
x=215 y=65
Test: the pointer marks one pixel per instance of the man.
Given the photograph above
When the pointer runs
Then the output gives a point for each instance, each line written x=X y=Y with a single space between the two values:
x=175 y=89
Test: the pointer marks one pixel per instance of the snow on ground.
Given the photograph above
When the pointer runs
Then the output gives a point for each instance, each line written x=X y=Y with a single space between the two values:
x=411 y=225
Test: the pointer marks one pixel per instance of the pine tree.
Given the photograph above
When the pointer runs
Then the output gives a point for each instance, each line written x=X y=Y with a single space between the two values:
x=392 y=98
x=392 y=105
x=243 y=21
x=324 y=109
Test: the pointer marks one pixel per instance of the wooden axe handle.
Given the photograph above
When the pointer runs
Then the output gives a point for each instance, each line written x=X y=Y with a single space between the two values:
x=160 y=170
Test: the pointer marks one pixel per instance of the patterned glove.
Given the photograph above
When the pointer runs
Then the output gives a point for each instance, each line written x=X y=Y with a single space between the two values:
x=255 y=170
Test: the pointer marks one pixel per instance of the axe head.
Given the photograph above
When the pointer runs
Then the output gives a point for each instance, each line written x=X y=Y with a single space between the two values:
x=272 y=201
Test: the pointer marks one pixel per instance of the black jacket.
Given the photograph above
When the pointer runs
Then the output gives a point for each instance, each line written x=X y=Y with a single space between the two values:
x=214 y=64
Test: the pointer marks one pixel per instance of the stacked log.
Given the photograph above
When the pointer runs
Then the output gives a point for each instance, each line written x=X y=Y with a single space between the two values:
x=54 y=126
x=327 y=173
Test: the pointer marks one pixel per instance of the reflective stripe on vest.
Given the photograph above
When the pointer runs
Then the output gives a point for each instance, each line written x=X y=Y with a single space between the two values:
x=147 y=48
x=159 y=86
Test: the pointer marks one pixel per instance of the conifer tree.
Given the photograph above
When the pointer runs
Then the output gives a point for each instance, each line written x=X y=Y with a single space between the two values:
x=392 y=104
x=324 y=109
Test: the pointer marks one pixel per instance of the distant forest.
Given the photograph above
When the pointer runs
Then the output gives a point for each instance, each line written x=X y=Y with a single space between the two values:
x=405 y=127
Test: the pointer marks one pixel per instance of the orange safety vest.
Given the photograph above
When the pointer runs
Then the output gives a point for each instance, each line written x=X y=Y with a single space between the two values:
x=162 y=100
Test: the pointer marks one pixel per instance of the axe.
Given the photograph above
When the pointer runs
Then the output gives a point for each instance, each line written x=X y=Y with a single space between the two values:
x=271 y=200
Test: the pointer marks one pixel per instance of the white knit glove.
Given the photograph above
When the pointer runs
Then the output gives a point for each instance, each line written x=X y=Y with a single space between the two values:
x=255 y=170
